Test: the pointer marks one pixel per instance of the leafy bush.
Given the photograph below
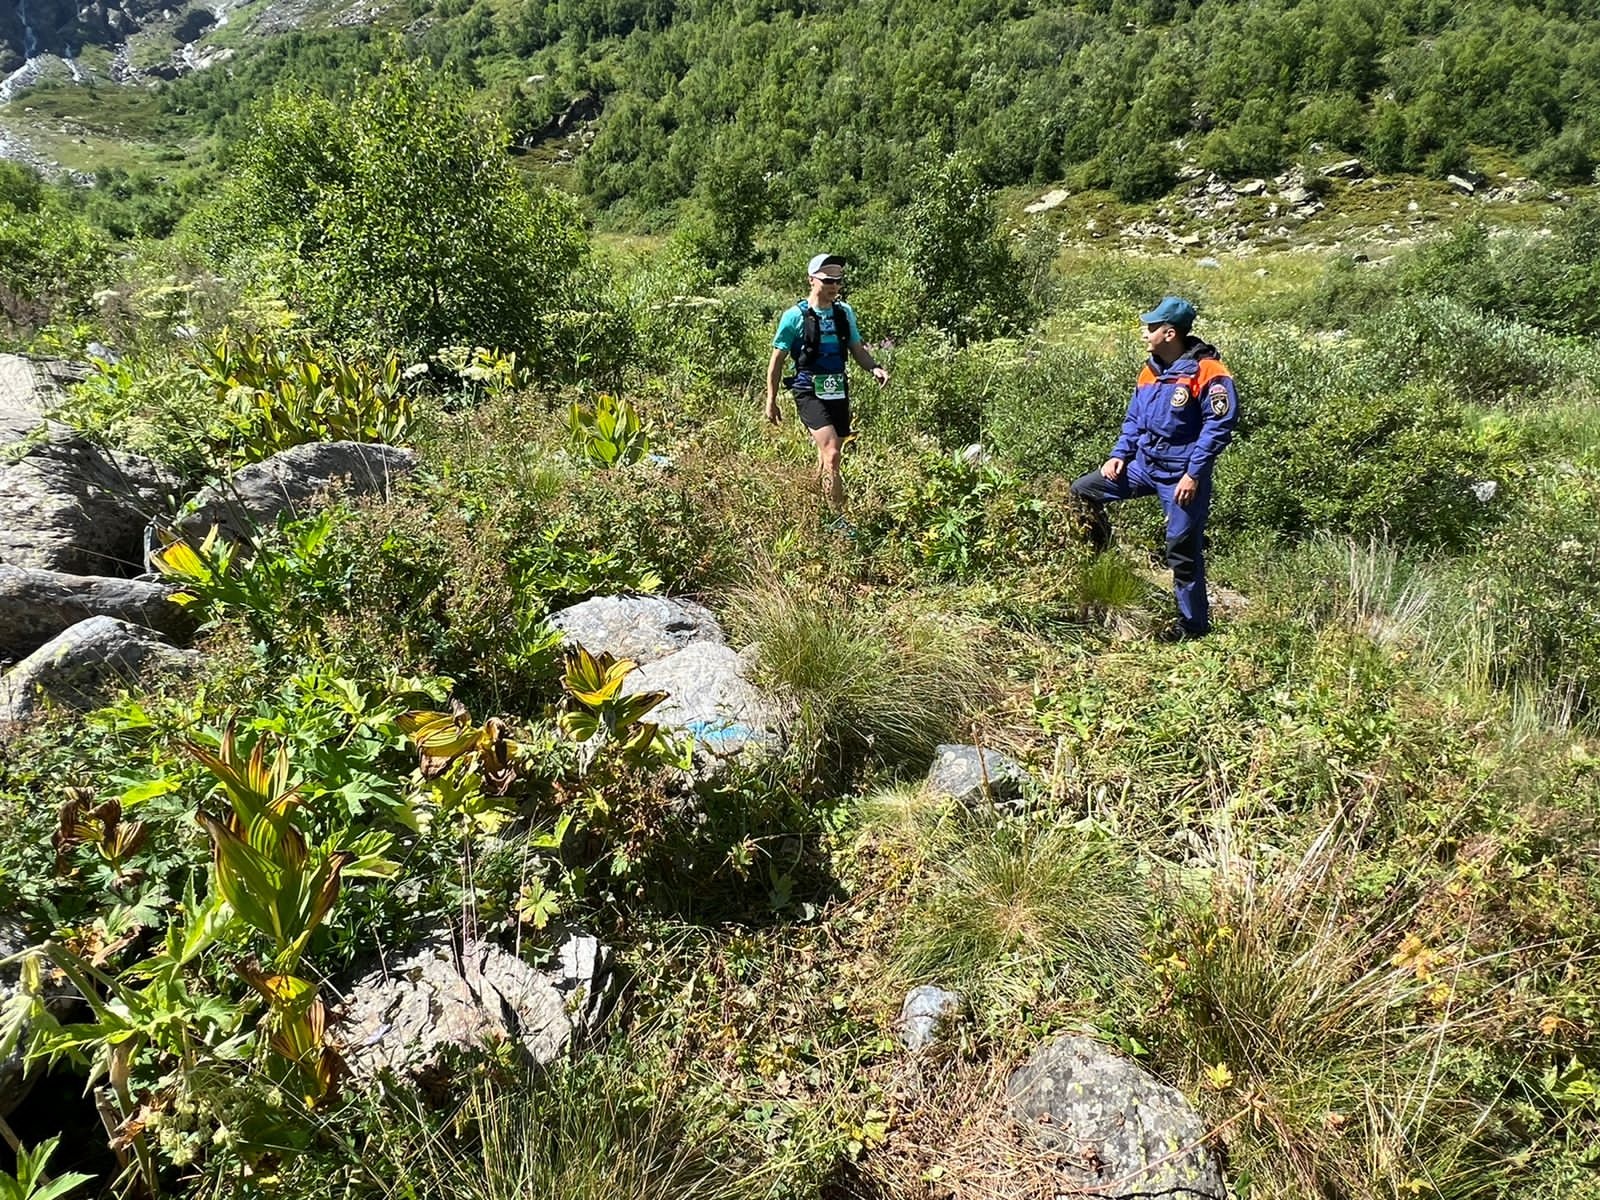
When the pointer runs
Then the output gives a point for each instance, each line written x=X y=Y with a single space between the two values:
x=1542 y=591
x=50 y=261
x=401 y=218
x=969 y=282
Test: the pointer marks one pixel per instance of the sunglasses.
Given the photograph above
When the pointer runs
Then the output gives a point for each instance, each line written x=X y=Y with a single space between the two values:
x=836 y=280
x=1157 y=327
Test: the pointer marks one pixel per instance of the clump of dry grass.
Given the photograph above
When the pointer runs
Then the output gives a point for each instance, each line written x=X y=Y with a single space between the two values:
x=863 y=680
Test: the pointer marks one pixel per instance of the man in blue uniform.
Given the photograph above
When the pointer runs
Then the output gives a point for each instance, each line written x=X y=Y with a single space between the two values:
x=820 y=333
x=1182 y=414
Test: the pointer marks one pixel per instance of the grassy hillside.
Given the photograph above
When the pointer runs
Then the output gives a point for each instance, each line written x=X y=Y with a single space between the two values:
x=1329 y=871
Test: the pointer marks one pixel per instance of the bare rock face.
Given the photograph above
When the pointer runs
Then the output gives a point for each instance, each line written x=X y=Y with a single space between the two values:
x=415 y=1020
x=78 y=666
x=643 y=628
x=1116 y=1129
x=290 y=481
x=36 y=605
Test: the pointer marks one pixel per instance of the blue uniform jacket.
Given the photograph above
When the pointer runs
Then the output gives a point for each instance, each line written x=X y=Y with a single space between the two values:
x=1181 y=416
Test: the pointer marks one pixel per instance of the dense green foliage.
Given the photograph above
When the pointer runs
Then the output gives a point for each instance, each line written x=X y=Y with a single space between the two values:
x=396 y=219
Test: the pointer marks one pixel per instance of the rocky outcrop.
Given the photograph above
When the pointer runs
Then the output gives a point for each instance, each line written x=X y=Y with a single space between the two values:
x=36 y=605
x=290 y=482
x=643 y=628
x=1117 y=1131
x=415 y=1019
x=67 y=505
x=77 y=667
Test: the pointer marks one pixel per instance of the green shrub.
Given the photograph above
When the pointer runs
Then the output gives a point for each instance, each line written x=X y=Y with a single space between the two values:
x=969 y=282
x=401 y=218
x=1541 y=592
x=50 y=262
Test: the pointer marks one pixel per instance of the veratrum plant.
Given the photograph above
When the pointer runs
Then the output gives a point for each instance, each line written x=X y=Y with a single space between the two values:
x=609 y=434
x=261 y=863
x=283 y=889
x=282 y=396
x=600 y=713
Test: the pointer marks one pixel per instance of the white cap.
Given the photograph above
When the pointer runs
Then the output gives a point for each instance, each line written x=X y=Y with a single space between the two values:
x=822 y=260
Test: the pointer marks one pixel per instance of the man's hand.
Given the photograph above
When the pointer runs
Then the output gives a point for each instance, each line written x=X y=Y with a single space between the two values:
x=1184 y=492
x=1113 y=468
x=772 y=410
x=881 y=376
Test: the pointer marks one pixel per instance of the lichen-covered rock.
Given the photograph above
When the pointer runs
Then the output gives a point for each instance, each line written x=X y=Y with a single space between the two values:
x=1117 y=1130
x=288 y=482
x=36 y=605
x=960 y=772
x=78 y=666
x=67 y=505
x=709 y=694
x=926 y=1015
x=643 y=628
x=412 y=1020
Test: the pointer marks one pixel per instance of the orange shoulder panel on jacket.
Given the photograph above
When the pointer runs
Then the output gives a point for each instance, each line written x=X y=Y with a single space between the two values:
x=1146 y=375
x=1211 y=368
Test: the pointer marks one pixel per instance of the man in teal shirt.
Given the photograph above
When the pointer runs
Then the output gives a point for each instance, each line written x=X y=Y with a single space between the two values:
x=820 y=333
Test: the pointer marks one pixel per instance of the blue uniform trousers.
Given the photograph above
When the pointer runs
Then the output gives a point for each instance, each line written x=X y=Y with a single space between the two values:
x=1186 y=527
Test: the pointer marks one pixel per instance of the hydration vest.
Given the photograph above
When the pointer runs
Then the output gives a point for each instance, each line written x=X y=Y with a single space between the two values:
x=811 y=357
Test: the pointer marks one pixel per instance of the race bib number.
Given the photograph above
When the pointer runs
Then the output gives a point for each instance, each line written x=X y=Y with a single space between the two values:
x=828 y=387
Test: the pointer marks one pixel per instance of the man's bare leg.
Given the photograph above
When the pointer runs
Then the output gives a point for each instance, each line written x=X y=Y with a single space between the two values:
x=830 y=450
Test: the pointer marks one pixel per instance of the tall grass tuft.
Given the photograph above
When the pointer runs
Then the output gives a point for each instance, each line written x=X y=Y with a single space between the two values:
x=862 y=681
x=1015 y=912
x=1340 y=1053
x=588 y=1130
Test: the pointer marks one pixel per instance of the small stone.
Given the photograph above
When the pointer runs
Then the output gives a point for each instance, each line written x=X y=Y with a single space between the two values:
x=1209 y=263
x=1461 y=184
x=926 y=1014
x=960 y=772
x=1484 y=490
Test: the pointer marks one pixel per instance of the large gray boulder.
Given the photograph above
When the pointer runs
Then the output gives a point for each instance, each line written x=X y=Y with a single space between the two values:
x=643 y=628
x=36 y=605
x=80 y=665
x=67 y=505
x=288 y=482
x=710 y=695
x=414 y=1020
x=1117 y=1131
x=960 y=772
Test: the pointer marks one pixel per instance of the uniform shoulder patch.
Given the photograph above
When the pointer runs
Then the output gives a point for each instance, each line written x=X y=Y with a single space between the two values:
x=1218 y=397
